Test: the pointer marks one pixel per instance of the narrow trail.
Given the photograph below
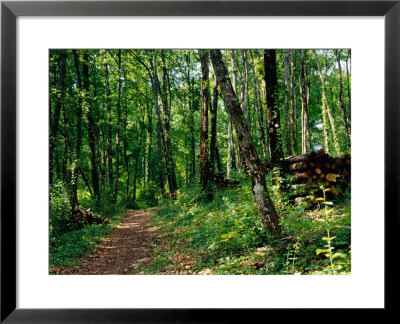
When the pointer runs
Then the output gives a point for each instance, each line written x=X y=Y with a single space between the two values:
x=126 y=245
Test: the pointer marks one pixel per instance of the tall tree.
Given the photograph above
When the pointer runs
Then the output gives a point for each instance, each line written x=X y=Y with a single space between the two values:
x=118 y=130
x=90 y=115
x=294 y=101
x=264 y=204
x=55 y=119
x=341 y=100
x=205 y=101
x=258 y=107
x=304 y=105
x=287 y=105
x=160 y=136
x=109 y=125
x=214 y=159
x=167 y=146
x=271 y=84
x=325 y=105
x=78 y=143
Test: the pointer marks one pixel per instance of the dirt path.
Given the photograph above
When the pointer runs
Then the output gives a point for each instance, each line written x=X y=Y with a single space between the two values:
x=126 y=245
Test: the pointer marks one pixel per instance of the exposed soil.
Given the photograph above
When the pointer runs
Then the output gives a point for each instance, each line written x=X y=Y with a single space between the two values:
x=126 y=245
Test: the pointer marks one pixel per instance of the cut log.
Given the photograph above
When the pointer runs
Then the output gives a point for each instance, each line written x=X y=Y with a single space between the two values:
x=332 y=177
x=298 y=166
x=318 y=171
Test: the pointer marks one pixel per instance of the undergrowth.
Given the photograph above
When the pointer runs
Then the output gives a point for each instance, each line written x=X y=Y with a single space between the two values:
x=226 y=236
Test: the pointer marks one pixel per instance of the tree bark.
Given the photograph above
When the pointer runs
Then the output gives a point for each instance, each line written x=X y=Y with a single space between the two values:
x=168 y=149
x=341 y=101
x=305 y=145
x=326 y=105
x=192 y=154
x=109 y=128
x=91 y=126
x=288 y=115
x=294 y=102
x=118 y=130
x=213 y=140
x=258 y=108
x=160 y=137
x=264 y=204
x=203 y=157
x=55 y=120
x=271 y=84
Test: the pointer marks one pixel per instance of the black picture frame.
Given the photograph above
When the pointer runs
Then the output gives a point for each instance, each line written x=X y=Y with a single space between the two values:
x=10 y=10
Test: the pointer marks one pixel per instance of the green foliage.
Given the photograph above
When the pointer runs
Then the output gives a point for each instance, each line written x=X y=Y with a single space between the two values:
x=59 y=210
x=226 y=236
x=67 y=248
x=149 y=195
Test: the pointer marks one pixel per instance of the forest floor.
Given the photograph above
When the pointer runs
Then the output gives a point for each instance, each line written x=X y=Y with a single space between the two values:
x=128 y=244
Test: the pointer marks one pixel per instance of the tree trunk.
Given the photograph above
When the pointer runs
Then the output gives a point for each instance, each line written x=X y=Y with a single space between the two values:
x=55 y=119
x=288 y=116
x=294 y=103
x=327 y=106
x=213 y=140
x=117 y=134
x=341 y=101
x=258 y=108
x=305 y=145
x=348 y=88
x=91 y=126
x=109 y=129
x=264 y=204
x=160 y=137
x=168 y=149
x=192 y=169
x=245 y=97
x=203 y=157
x=271 y=85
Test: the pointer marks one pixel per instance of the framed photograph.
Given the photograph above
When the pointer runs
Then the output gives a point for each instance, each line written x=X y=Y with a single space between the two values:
x=173 y=161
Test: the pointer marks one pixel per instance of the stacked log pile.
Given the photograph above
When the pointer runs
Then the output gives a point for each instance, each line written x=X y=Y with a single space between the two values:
x=86 y=217
x=310 y=171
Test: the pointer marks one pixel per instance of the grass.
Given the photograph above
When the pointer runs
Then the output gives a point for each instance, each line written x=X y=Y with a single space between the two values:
x=226 y=236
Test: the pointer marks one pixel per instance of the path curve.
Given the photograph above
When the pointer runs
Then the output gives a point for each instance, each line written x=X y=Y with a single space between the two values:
x=125 y=246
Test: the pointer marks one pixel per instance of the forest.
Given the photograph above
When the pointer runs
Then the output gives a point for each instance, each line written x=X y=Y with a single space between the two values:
x=169 y=161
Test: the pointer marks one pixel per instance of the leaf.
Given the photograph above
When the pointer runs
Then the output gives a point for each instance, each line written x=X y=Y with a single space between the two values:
x=319 y=251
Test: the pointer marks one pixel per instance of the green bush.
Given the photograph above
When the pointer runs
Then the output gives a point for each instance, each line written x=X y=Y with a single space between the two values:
x=59 y=210
x=149 y=195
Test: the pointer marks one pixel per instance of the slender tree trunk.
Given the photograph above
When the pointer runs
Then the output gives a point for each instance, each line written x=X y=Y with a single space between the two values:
x=264 y=204
x=160 y=139
x=137 y=154
x=109 y=130
x=168 y=149
x=55 y=119
x=246 y=105
x=192 y=173
x=148 y=161
x=118 y=130
x=258 y=108
x=239 y=155
x=271 y=84
x=91 y=126
x=205 y=100
x=327 y=107
x=294 y=102
x=231 y=160
x=76 y=158
x=213 y=140
x=348 y=88
x=341 y=101
x=304 y=106
x=288 y=123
